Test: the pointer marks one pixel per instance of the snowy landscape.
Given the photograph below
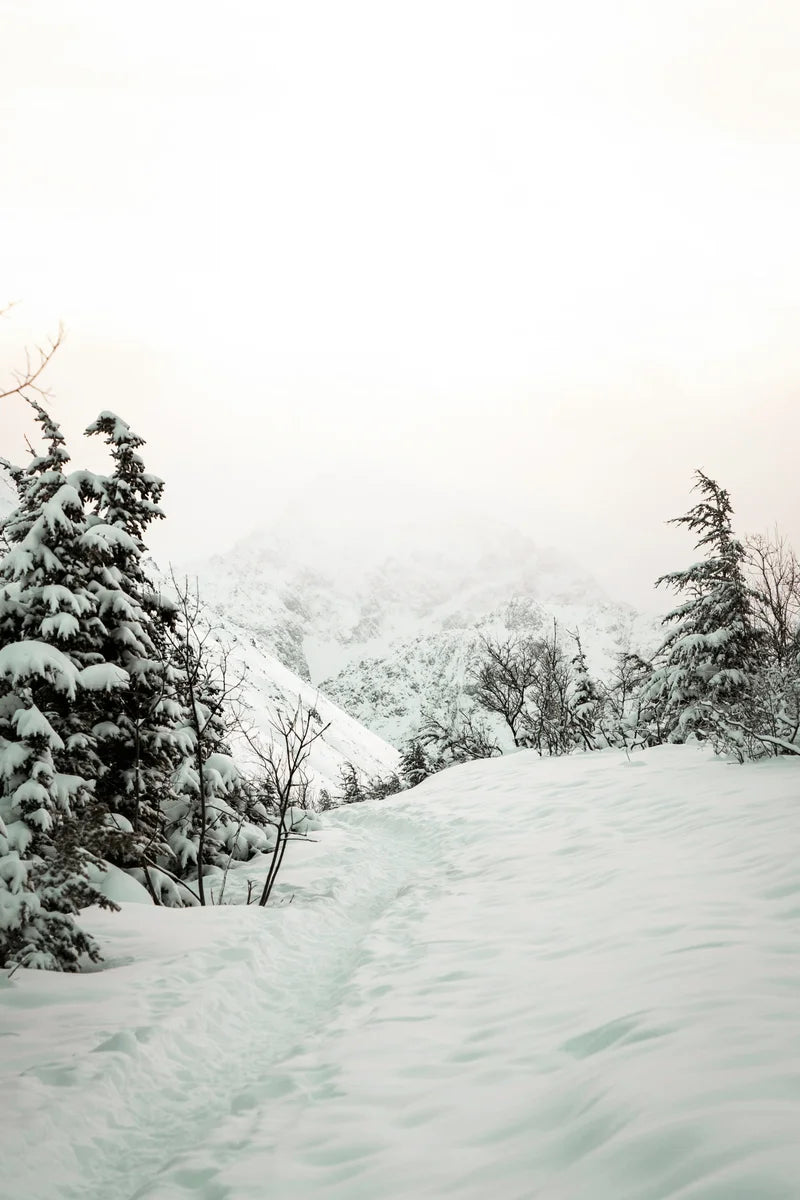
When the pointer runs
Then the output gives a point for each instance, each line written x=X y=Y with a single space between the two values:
x=520 y=926
x=569 y=977
x=399 y=600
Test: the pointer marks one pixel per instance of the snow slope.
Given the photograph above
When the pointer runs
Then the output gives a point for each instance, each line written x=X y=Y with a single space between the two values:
x=269 y=689
x=574 y=979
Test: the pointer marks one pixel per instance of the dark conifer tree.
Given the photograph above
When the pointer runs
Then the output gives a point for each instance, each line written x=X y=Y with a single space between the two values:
x=414 y=765
x=139 y=731
x=586 y=700
x=51 y=666
x=706 y=657
x=352 y=787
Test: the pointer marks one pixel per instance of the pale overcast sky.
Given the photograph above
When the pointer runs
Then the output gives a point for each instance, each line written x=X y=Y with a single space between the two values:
x=539 y=257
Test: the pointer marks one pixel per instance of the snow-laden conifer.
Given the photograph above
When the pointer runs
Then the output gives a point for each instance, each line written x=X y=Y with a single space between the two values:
x=708 y=653
x=51 y=636
x=137 y=728
x=585 y=702
x=414 y=765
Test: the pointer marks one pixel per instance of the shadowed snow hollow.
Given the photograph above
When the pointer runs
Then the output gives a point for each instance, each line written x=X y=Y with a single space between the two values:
x=575 y=979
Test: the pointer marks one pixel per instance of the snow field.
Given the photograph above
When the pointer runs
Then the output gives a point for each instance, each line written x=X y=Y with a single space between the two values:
x=575 y=979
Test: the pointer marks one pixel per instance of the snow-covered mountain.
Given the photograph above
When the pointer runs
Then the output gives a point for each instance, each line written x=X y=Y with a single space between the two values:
x=385 y=617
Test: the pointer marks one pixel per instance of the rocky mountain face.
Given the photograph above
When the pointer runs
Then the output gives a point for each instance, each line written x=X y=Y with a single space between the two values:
x=385 y=621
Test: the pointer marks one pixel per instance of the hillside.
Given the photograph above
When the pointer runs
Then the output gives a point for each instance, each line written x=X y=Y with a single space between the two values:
x=269 y=688
x=571 y=978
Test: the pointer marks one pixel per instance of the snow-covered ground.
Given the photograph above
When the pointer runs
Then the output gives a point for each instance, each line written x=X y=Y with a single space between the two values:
x=575 y=979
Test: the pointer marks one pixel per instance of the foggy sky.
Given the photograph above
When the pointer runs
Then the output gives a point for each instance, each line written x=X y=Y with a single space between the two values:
x=538 y=258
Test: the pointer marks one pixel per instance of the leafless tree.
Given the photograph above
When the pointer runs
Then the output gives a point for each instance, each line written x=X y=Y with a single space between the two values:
x=774 y=575
x=767 y=718
x=547 y=719
x=456 y=737
x=502 y=680
x=284 y=776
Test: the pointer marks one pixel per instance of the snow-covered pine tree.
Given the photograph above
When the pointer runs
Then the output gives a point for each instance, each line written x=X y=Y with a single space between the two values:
x=139 y=732
x=585 y=702
x=414 y=765
x=705 y=659
x=352 y=788
x=43 y=861
x=51 y=666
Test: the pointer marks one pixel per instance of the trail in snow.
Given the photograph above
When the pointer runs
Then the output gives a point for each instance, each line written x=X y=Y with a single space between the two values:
x=566 y=979
x=195 y=1028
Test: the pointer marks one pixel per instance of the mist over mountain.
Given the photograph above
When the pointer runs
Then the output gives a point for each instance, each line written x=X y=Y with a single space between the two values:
x=384 y=612
x=380 y=612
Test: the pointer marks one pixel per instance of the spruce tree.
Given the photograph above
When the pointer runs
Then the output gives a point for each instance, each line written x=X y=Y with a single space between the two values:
x=51 y=666
x=43 y=861
x=586 y=700
x=352 y=788
x=709 y=650
x=139 y=732
x=414 y=765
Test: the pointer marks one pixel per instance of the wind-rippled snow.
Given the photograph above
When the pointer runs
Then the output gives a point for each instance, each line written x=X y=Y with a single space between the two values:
x=575 y=979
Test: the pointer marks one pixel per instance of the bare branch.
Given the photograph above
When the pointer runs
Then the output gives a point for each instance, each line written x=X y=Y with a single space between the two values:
x=282 y=764
x=35 y=365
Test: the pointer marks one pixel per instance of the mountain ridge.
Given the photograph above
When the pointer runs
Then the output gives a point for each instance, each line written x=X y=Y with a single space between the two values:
x=387 y=627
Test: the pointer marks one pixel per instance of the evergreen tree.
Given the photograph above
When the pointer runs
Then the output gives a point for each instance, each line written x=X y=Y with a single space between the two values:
x=224 y=809
x=352 y=789
x=711 y=643
x=586 y=701
x=414 y=765
x=325 y=801
x=139 y=732
x=52 y=667
x=43 y=863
